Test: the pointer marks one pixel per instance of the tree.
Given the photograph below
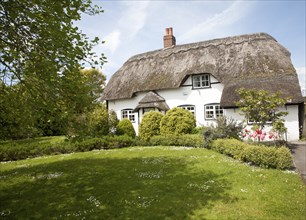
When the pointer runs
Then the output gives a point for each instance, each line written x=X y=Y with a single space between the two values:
x=150 y=125
x=39 y=42
x=261 y=107
x=24 y=115
x=16 y=117
x=177 y=121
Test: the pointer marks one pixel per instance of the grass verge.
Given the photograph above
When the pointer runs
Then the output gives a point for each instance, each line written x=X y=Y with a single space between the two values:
x=147 y=183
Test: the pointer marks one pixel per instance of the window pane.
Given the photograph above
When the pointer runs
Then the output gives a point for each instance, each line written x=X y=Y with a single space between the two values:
x=201 y=81
x=128 y=113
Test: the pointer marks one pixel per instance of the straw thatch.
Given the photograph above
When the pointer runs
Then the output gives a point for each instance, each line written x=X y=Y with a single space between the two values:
x=152 y=100
x=253 y=61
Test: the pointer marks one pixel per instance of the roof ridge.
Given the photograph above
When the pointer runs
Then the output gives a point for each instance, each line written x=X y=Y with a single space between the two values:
x=208 y=43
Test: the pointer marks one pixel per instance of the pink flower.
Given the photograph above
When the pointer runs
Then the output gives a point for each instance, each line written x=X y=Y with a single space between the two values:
x=262 y=137
x=244 y=135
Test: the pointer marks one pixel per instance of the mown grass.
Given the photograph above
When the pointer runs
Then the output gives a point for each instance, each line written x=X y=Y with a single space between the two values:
x=147 y=183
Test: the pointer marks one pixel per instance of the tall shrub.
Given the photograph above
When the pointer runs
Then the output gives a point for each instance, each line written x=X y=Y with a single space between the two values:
x=98 y=122
x=177 y=121
x=125 y=127
x=150 y=125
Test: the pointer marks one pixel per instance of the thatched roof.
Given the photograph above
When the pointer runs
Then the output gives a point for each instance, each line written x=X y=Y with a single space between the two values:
x=152 y=100
x=253 y=60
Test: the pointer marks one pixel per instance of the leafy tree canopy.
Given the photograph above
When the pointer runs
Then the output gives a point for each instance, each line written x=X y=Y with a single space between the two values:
x=39 y=41
x=260 y=106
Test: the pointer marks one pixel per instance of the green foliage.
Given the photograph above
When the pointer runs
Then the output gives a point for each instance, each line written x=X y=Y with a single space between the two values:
x=278 y=130
x=40 y=39
x=187 y=140
x=177 y=121
x=19 y=150
x=42 y=52
x=24 y=114
x=112 y=122
x=150 y=125
x=99 y=122
x=16 y=116
x=260 y=106
x=224 y=128
x=125 y=127
x=267 y=157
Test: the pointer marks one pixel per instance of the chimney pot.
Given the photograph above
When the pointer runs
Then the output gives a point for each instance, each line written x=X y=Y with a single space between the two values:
x=167 y=31
x=169 y=39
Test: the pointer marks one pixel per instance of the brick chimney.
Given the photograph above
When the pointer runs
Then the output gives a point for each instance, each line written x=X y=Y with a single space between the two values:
x=169 y=39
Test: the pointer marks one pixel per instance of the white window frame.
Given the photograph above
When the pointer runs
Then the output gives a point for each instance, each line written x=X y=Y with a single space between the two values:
x=201 y=81
x=213 y=111
x=129 y=114
x=190 y=108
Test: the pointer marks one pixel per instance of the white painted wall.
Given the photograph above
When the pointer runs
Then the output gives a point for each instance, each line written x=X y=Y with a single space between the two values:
x=185 y=95
x=291 y=121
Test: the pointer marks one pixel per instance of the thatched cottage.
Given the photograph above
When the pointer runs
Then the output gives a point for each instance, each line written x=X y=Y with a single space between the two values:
x=202 y=77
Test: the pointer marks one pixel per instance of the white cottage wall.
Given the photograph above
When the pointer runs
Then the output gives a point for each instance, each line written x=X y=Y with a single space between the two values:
x=186 y=95
x=291 y=120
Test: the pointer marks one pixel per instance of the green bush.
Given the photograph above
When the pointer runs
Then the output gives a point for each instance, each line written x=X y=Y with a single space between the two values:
x=224 y=128
x=14 y=151
x=98 y=122
x=187 y=140
x=230 y=147
x=150 y=125
x=267 y=157
x=125 y=127
x=177 y=121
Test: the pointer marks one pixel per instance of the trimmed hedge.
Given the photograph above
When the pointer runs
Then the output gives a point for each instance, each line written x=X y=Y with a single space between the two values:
x=187 y=140
x=15 y=151
x=267 y=157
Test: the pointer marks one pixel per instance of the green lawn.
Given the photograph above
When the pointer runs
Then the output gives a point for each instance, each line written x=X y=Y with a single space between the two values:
x=147 y=183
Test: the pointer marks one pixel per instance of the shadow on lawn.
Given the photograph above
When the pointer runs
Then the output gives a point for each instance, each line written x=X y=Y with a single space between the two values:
x=137 y=188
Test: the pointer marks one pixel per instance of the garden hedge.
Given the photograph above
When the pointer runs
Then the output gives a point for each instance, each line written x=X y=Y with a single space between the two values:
x=15 y=151
x=263 y=156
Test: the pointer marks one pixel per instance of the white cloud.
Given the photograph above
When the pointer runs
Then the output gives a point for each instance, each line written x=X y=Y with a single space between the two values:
x=214 y=26
x=134 y=17
x=112 y=41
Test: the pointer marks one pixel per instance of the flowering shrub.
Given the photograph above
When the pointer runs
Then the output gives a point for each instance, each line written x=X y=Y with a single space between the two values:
x=256 y=134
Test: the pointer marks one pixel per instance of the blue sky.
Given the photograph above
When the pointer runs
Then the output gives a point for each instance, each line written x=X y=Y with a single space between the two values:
x=133 y=27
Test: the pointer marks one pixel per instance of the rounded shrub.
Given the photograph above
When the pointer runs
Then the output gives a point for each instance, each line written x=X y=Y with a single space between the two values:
x=98 y=122
x=177 y=121
x=125 y=127
x=150 y=125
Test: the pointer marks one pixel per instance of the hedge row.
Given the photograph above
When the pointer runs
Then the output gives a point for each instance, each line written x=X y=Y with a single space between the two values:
x=267 y=157
x=187 y=140
x=18 y=152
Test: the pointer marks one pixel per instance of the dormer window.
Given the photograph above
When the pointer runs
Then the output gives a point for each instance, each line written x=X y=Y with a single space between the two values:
x=201 y=81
